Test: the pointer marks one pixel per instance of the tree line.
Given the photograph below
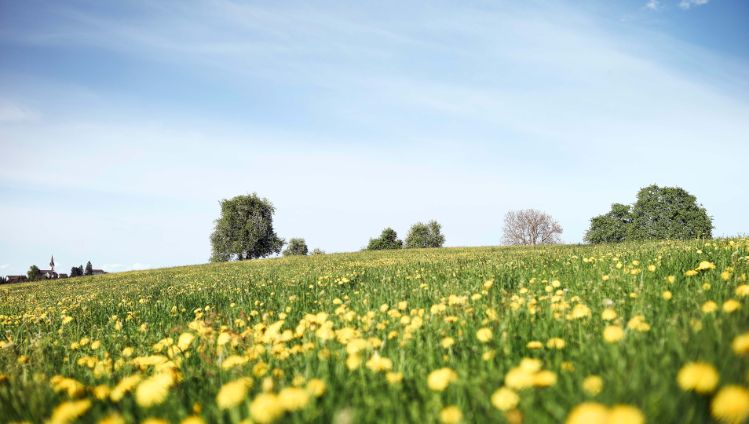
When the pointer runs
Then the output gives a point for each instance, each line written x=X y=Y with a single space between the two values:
x=244 y=229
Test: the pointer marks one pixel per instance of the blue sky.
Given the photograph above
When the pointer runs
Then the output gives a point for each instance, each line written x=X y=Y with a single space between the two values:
x=122 y=124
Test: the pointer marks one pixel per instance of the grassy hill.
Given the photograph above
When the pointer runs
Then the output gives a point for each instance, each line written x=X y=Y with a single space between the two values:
x=358 y=337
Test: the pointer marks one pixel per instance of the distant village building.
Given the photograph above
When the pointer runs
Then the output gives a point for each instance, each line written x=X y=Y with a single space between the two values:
x=47 y=274
x=50 y=273
x=16 y=278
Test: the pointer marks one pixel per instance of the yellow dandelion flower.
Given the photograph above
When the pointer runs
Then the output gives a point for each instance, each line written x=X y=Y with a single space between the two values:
x=125 y=385
x=451 y=415
x=316 y=387
x=580 y=311
x=534 y=344
x=184 y=341
x=638 y=323
x=233 y=393
x=613 y=333
x=113 y=418
x=593 y=385
x=223 y=339
x=394 y=377
x=484 y=335
x=379 y=364
x=731 y=405
x=742 y=290
x=67 y=412
x=690 y=273
x=293 y=398
x=488 y=355
x=518 y=378
x=505 y=399
x=588 y=413
x=698 y=376
x=625 y=414
x=438 y=380
x=154 y=390
x=266 y=408
x=544 y=378
x=154 y=420
x=353 y=362
x=447 y=342
x=193 y=419
x=555 y=343
x=709 y=307
x=705 y=265
x=608 y=314
x=233 y=361
x=667 y=295
x=740 y=344
x=101 y=392
x=731 y=305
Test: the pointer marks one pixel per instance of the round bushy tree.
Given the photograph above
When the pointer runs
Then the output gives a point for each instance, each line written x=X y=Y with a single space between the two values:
x=660 y=213
x=387 y=240
x=425 y=235
x=296 y=247
x=33 y=273
x=612 y=227
x=244 y=230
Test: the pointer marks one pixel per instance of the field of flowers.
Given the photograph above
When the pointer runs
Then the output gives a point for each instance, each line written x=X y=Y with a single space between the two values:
x=632 y=333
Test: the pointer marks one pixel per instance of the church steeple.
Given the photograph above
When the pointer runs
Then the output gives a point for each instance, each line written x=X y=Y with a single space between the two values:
x=52 y=263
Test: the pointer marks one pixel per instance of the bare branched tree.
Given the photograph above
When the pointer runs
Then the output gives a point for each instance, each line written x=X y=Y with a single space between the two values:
x=530 y=227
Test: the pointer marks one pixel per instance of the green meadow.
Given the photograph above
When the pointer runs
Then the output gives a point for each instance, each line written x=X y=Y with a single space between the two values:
x=637 y=332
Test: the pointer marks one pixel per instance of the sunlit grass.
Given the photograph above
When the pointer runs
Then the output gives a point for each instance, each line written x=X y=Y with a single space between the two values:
x=473 y=334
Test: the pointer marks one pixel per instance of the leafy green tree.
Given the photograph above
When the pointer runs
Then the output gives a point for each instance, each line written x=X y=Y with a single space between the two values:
x=33 y=273
x=425 y=235
x=660 y=213
x=613 y=227
x=89 y=269
x=388 y=240
x=244 y=230
x=296 y=247
x=3 y=280
x=76 y=271
x=318 y=251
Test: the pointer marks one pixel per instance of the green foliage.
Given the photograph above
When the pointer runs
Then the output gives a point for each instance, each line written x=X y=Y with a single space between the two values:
x=388 y=240
x=33 y=273
x=244 y=230
x=76 y=271
x=612 y=227
x=660 y=213
x=425 y=235
x=318 y=251
x=89 y=269
x=296 y=247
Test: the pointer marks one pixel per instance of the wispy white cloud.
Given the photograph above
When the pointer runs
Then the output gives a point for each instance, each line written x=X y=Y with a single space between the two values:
x=653 y=5
x=11 y=112
x=3 y=266
x=138 y=266
x=687 y=4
